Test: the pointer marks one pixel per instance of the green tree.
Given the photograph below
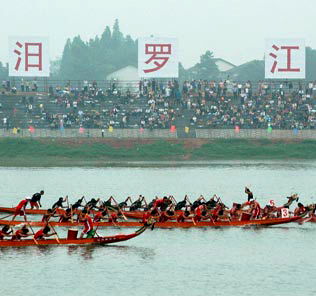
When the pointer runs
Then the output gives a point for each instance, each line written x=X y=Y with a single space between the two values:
x=3 y=72
x=207 y=68
x=310 y=63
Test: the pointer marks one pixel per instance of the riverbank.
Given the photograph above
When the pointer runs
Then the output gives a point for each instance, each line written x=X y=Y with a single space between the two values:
x=104 y=152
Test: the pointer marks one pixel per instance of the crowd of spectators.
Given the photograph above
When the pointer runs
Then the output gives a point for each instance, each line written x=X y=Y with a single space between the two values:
x=160 y=104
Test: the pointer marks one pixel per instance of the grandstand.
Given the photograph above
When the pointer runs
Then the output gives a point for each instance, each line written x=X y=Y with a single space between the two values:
x=108 y=110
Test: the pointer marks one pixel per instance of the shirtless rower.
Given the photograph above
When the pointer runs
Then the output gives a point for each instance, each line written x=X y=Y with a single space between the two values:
x=36 y=200
x=20 y=208
x=42 y=233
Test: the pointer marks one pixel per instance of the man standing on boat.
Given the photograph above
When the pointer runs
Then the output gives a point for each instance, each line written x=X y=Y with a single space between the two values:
x=36 y=200
x=87 y=222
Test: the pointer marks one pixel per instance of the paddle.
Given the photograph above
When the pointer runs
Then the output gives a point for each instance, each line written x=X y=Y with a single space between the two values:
x=56 y=236
x=119 y=208
x=72 y=219
x=67 y=201
x=36 y=242
x=6 y=216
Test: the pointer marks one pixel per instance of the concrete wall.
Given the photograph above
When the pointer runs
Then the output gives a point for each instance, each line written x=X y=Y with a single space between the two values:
x=93 y=133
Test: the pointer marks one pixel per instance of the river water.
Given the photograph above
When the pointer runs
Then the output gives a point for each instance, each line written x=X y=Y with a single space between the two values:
x=278 y=260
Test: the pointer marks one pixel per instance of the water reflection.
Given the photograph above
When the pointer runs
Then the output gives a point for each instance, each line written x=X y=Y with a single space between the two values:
x=87 y=252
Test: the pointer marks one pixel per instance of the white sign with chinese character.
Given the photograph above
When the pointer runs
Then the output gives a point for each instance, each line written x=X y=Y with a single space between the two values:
x=28 y=56
x=285 y=58
x=158 y=57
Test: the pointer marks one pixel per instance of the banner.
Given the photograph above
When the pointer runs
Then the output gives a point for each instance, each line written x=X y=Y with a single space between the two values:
x=285 y=58
x=28 y=56
x=158 y=57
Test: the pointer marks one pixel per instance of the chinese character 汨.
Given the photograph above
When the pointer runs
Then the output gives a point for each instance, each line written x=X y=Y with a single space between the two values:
x=31 y=50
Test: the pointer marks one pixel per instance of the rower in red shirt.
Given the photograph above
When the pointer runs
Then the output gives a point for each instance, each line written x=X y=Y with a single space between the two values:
x=5 y=231
x=146 y=216
x=20 y=208
x=300 y=210
x=198 y=212
x=87 y=222
x=22 y=232
x=162 y=203
x=113 y=217
x=99 y=216
x=42 y=233
x=182 y=216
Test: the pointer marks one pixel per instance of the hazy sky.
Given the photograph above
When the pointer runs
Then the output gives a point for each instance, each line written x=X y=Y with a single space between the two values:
x=233 y=29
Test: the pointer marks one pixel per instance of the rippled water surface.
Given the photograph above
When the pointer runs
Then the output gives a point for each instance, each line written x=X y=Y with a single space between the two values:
x=278 y=260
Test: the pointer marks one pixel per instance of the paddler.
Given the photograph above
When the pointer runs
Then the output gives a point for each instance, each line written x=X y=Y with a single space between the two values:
x=211 y=204
x=49 y=214
x=77 y=204
x=254 y=208
x=200 y=211
x=59 y=204
x=300 y=210
x=183 y=215
x=92 y=204
x=181 y=204
x=162 y=203
x=100 y=215
x=20 y=208
x=249 y=193
x=113 y=217
x=42 y=233
x=36 y=200
x=5 y=232
x=66 y=217
x=22 y=232
x=235 y=211
x=87 y=222
x=166 y=215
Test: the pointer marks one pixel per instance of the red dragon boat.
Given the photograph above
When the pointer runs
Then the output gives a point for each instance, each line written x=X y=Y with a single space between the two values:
x=128 y=214
x=98 y=240
x=167 y=224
